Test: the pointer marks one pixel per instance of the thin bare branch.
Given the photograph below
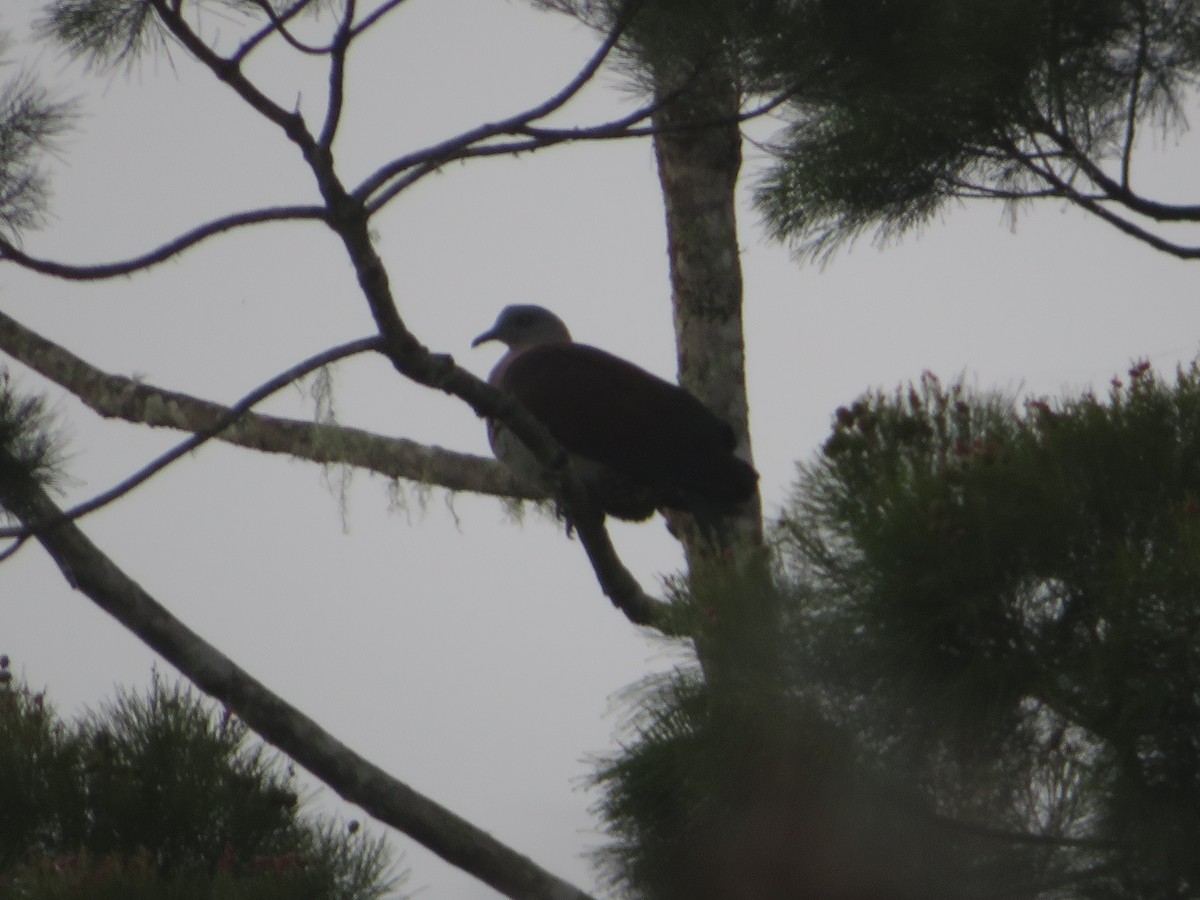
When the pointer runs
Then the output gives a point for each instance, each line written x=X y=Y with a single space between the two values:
x=277 y=24
x=617 y=583
x=71 y=272
x=235 y=412
x=1135 y=88
x=1098 y=209
x=1182 y=251
x=542 y=138
x=448 y=148
x=969 y=190
x=373 y=18
x=353 y=777
x=337 y=77
x=626 y=126
x=228 y=71
x=1114 y=190
x=11 y=550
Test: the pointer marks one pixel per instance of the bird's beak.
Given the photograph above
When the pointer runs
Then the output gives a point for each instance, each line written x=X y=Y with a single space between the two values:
x=489 y=335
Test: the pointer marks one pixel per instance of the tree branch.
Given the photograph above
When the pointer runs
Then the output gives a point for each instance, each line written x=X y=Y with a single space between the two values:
x=355 y=779
x=114 y=396
x=447 y=148
x=337 y=77
x=277 y=24
x=1115 y=190
x=607 y=131
x=69 y=272
x=969 y=190
x=1097 y=208
x=229 y=72
x=227 y=419
x=12 y=548
x=1131 y=111
x=542 y=138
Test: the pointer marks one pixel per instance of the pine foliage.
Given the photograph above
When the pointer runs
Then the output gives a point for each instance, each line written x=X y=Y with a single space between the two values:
x=986 y=680
x=158 y=795
x=29 y=122
x=104 y=32
x=114 y=34
x=901 y=105
x=1024 y=584
x=30 y=445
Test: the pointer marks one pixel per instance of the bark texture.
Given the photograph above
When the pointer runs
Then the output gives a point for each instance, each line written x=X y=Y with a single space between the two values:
x=698 y=148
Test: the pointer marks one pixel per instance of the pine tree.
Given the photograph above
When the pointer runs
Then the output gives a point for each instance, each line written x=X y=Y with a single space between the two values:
x=160 y=795
x=897 y=108
x=988 y=682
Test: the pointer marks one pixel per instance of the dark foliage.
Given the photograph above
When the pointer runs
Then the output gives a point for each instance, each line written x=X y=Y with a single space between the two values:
x=29 y=123
x=900 y=105
x=986 y=680
x=159 y=796
x=30 y=446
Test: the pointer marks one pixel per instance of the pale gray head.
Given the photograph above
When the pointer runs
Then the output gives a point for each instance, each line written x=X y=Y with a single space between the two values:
x=525 y=325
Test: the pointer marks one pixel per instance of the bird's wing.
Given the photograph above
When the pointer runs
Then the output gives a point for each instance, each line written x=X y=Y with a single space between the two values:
x=609 y=410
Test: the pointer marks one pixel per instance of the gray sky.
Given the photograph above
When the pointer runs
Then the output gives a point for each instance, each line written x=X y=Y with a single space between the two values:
x=471 y=657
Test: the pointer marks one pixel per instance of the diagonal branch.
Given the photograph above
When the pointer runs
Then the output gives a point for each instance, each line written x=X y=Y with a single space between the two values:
x=227 y=419
x=537 y=139
x=114 y=396
x=278 y=25
x=354 y=778
x=1135 y=90
x=373 y=18
x=9 y=252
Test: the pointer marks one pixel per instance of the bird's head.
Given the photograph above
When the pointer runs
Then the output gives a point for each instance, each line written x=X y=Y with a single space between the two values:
x=524 y=325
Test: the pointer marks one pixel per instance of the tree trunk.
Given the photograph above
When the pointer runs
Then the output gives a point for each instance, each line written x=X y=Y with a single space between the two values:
x=698 y=147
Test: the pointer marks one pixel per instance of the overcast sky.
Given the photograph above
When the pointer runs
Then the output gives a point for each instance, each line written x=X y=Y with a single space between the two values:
x=471 y=657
